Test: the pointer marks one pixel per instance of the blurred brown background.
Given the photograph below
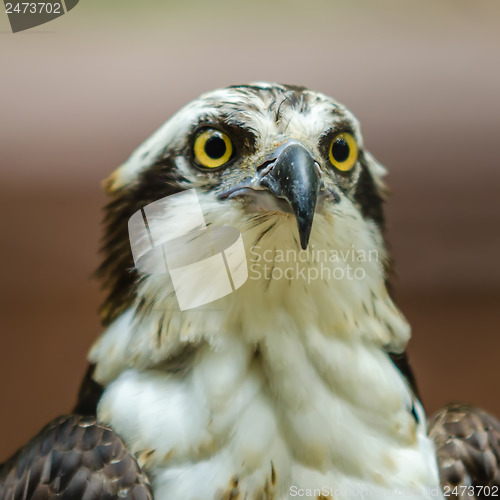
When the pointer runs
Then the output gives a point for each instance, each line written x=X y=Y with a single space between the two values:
x=80 y=93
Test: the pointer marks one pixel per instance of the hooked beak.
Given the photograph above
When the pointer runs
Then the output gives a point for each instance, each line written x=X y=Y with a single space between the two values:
x=290 y=174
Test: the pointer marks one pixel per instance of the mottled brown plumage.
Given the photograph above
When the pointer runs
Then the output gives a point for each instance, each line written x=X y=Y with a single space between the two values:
x=467 y=443
x=74 y=458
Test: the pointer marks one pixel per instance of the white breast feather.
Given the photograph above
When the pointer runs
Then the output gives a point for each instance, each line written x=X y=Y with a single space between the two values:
x=320 y=406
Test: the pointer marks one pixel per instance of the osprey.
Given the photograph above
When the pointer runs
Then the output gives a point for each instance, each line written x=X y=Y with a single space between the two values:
x=294 y=385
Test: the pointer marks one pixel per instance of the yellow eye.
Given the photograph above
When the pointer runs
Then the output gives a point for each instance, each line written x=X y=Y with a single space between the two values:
x=212 y=148
x=343 y=152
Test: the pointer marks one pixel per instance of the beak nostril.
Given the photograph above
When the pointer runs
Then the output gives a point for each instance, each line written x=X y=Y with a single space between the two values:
x=265 y=167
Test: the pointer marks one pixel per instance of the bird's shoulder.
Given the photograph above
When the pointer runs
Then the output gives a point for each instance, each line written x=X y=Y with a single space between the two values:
x=467 y=441
x=74 y=457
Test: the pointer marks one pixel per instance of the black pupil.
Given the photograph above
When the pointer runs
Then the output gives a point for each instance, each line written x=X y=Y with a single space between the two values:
x=215 y=147
x=340 y=150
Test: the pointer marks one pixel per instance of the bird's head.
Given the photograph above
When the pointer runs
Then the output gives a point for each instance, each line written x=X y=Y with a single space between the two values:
x=283 y=164
x=265 y=148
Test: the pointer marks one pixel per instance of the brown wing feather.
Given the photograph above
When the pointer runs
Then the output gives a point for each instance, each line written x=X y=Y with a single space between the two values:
x=467 y=443
x=73 y=458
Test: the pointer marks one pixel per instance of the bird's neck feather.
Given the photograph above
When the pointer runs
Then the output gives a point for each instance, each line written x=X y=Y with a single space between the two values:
x=336 y=288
